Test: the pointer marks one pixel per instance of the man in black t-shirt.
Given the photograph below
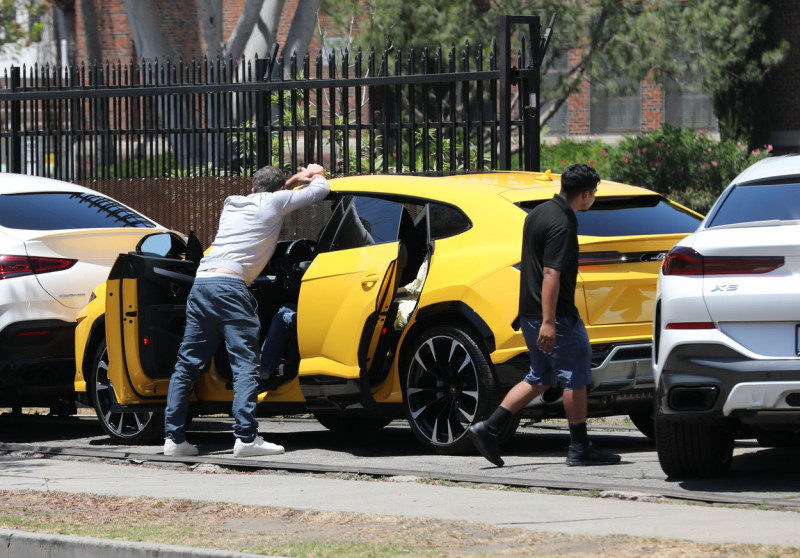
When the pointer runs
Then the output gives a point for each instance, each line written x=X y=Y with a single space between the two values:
x=553 y=330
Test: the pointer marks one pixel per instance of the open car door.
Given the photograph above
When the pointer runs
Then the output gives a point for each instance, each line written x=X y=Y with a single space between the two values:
x=145 y=317
x=347 y=296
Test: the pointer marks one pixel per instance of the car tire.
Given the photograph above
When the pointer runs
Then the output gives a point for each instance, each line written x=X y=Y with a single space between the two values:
x=351 y=423
x=122 y=427
x=644 y=423
x=693 y=449
x=448 y=385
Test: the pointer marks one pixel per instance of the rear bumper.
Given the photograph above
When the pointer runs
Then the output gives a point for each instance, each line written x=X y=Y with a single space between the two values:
x=622 y=381
x=623 y=368
x=713 y=381
x=37 y=362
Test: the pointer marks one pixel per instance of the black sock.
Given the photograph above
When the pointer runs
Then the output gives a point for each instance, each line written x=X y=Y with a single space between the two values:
x=578 y=435
x=498 y=420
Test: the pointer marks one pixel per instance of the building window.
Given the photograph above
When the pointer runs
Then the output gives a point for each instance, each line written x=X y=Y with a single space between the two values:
x=688 y=108
x=616 y=114
x=559 y=67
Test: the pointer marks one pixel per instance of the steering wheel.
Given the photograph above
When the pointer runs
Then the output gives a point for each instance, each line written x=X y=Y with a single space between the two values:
x=300 y=250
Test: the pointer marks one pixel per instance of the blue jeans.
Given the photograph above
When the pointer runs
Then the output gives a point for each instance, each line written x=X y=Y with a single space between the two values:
x=570 y=363
x=218 y=309
x=282 y=329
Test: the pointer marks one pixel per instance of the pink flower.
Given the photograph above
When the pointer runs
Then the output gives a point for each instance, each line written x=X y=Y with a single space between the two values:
x=709 y=150
x=625 y=160
x=769 y=148
x=644 y=150
x=704 y=166
x=699 y=132
x=714 y=163
x=740 y=145
x=756 y=152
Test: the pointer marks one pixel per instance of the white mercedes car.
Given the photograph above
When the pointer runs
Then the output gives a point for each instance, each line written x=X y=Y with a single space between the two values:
x=726 y=349
x=57 y=242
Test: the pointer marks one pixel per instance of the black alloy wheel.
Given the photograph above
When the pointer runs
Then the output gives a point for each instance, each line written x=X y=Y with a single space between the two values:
x=128 y=427
x=447 y=386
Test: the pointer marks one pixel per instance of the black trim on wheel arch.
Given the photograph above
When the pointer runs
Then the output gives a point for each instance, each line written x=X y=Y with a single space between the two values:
x=458 y=308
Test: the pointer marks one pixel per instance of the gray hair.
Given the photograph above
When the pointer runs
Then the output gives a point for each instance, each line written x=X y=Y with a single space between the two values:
x=268 y=179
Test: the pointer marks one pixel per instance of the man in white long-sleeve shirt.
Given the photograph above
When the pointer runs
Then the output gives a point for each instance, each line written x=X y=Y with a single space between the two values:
x=220 y=308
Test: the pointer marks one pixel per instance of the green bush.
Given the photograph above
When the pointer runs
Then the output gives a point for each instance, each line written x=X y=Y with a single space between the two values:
x=559 y=154
x=689 y=166
x=665 y=160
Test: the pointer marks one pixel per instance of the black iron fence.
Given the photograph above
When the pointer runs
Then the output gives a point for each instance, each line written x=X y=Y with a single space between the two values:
x=409 y=110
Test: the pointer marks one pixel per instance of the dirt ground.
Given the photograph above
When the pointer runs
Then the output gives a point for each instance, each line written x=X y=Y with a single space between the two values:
x=321 y=534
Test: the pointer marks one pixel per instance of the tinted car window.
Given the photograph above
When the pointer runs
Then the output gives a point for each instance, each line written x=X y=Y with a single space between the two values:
x=380 y=217
x=446 y=221
x=361 y=221
x=758 y=202
x=44 y=211
x=631 y=216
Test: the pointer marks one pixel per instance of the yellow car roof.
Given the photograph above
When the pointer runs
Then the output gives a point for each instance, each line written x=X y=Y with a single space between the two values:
x=514 y=186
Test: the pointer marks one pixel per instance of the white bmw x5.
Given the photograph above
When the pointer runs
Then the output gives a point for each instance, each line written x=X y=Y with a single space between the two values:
x=727 y=326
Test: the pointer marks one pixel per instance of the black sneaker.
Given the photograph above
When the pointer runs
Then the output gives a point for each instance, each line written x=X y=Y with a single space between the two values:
x=581 y=456
x=486 y=442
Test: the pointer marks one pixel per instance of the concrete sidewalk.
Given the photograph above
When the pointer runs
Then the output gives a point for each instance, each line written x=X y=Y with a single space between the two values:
x=537 y=512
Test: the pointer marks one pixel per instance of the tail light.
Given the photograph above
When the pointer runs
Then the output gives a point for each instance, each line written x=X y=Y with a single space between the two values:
x=18 y=266
x=682 y=260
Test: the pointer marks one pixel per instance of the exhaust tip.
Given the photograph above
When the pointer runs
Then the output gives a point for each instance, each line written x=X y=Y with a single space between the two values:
x=700 y=398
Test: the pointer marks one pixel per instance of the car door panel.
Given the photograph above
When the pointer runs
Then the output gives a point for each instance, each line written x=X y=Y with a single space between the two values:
x=339 y=294
x=146 y=315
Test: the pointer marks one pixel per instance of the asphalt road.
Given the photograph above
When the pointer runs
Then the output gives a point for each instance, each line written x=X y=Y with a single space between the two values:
x=535 y=457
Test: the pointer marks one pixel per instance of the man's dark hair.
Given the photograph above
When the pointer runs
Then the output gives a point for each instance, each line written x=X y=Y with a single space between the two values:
x=578 y=178
x=268 y=179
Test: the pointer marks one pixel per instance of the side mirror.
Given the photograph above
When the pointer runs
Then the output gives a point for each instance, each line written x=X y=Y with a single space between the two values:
x=162 y=245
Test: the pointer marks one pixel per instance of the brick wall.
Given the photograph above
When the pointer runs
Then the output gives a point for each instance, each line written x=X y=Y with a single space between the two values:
x=102 y=25
x=652 y=106
x=579 y=113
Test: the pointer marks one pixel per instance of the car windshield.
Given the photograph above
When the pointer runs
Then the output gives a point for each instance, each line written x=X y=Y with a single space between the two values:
x=45 y=211
x=751 y=203
x=631 y=216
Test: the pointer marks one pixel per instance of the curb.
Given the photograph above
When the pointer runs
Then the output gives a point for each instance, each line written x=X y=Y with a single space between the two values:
x=26 y=544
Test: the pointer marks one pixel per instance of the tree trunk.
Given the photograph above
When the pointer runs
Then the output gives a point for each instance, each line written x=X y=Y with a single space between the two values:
x=265 y=30
x=303 y=24
x=209 y=12
x=244 y=29
x=150 y=42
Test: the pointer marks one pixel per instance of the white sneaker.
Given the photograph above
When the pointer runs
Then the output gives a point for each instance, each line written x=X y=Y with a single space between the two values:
x=259 y=446
x=179 y=450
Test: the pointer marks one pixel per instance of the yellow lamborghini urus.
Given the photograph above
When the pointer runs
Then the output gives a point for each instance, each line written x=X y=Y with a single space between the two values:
x=365 y=353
